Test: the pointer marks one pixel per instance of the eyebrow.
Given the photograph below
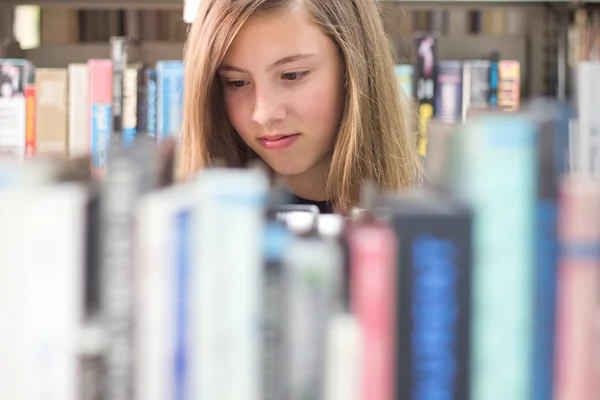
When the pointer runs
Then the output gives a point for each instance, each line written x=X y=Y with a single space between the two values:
x=278 y=63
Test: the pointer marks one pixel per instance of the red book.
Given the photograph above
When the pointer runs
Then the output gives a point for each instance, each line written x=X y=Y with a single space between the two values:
x=372 y=247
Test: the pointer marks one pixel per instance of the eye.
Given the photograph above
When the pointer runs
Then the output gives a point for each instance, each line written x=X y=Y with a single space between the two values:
x=236 y=84
x=294 y=76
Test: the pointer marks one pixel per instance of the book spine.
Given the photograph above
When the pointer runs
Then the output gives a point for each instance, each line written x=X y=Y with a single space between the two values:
x=130 y=175
x=227 y=283
x=30 y=139
x=343 y=358
x=155 y=286
x=494 y=79
x=588 y=138
x=182 y=262
x=142 y=100
x=118 y=47
x=130 y=104
x=13 y=109
x=449 y=91
x=553 y=130
x=56 y=289
x=425 y=81
x=151 y=104
x=498 y=172
x=274 y=306
x=479 y=85
x=100 y=78
x=170 y=87
x=509 y=85
x=312 y=303
x=466 y=91
x=373 y=258
x=404 y=77
x=51 y=111
x=433 y=318
x=79 y=132
x=577 y=372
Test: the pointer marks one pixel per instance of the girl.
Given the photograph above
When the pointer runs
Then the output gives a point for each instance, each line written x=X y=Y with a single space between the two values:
x=307 y=86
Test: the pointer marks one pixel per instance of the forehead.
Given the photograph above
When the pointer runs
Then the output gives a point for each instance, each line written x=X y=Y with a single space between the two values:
x=266 y=38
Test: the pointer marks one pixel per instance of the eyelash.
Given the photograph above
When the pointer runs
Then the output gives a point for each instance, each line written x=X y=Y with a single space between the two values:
x=300 y=75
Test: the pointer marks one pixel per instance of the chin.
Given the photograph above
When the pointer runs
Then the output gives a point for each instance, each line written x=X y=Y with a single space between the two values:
x=287 y=169
x=286 y=166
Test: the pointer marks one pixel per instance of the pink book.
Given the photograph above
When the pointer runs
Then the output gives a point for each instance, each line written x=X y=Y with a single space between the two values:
x=577 y=340
x=100 y=92
x=372 y=247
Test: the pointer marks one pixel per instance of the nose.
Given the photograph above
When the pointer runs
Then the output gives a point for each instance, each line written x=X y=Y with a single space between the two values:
x=268 y=107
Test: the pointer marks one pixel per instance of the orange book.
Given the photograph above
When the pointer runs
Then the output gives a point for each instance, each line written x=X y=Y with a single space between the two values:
x=30 y=121
x=509 y=85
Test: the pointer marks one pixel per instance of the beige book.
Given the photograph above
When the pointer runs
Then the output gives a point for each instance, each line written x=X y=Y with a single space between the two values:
x=52 y=111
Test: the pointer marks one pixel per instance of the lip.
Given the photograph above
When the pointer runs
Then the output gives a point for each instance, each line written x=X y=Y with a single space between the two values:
x=278 y=142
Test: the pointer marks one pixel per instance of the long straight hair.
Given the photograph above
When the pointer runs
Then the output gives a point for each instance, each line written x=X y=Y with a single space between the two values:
x=376 y=141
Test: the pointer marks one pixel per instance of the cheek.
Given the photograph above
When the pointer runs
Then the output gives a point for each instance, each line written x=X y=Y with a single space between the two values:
x=235 y=107
x=320 y=107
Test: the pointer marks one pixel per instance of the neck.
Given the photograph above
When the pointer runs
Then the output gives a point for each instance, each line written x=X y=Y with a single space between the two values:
x=310 y=185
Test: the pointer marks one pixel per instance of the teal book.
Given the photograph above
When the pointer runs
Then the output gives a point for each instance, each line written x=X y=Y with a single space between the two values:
x=494 y=167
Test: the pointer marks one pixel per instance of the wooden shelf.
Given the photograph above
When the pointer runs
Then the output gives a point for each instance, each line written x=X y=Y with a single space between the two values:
x=60 y=56
x=178 y=4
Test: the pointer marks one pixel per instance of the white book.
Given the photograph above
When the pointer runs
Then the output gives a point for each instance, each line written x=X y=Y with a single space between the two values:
x=588 y=99
x=313 y=269
x=43 y=263
x=343 y=358
x=79 y=130
x=12 y=125
x=155 y=292
x=228 y=222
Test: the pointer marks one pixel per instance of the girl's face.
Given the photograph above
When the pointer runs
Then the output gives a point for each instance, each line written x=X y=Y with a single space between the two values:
x=282 y=82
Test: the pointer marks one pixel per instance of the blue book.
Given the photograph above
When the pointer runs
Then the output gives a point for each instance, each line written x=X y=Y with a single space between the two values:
x=169 y=80
x=552 y=120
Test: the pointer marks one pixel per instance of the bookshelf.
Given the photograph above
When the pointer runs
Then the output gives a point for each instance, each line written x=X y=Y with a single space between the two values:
x=539 y=45
x=528 y=43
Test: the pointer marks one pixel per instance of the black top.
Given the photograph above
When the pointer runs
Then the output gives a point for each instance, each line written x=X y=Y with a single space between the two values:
x=325 y=206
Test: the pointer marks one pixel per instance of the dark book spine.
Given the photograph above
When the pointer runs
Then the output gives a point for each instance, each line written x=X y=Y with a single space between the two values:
x=434 y=307
x=131 y=173
x=553 y=136
x=494 y=77
x=119 y=58
x=151 y=103
x=425 y=82
x=142 y=100
x=274 y=305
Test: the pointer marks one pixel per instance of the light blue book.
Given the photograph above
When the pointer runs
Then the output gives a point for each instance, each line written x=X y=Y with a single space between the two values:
x=494 y=170
x=404 y=76
x=169 y=79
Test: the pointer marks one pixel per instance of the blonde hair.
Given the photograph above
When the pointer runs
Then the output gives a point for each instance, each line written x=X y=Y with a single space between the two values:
x=376 y=140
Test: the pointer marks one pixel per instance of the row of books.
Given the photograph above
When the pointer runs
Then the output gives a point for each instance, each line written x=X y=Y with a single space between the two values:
x=449 y=90
x=481 y=284
x=462 y=86
x=70 y=112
